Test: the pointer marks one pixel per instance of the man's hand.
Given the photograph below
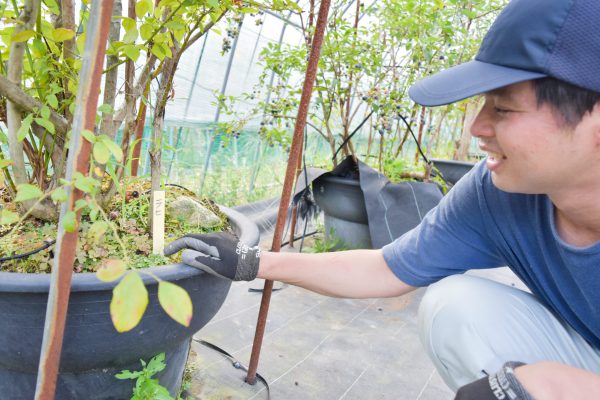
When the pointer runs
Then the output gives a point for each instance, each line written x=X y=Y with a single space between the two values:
x=219 y=254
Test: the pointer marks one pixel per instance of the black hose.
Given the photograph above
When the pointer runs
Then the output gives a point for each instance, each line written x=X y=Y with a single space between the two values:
x=352 y=134
x=437 y=171
x=47 y=243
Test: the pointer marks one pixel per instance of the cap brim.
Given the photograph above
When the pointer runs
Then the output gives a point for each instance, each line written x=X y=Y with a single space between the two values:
x=466 y=80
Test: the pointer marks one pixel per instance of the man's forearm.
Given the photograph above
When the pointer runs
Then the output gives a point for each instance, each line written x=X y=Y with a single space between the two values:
x=350 y=274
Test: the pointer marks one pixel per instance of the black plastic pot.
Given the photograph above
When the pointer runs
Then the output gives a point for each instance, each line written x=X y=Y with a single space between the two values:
x=345 y=214
x=93 y=351
x=452 y=170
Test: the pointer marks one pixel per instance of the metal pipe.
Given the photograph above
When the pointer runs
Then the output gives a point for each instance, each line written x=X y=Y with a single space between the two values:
x=288 y=183
x=187 y=103
x=218 y=112
x=78 y=161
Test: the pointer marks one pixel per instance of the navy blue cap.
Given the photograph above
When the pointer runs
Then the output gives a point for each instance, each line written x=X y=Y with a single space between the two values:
x=530 y=39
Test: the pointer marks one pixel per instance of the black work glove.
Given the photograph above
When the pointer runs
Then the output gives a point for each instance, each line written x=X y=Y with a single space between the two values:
x=219 y=254
x=503 y=385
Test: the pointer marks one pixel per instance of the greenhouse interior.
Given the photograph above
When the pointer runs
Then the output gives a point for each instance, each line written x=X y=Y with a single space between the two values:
x=299 y=199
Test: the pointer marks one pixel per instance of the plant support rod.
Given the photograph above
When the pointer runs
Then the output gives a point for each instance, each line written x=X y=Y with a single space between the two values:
x=288 y=183
x=78 y=161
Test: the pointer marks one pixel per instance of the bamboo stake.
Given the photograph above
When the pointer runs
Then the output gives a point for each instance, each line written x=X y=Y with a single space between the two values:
x=288 y=183
x=78 y=161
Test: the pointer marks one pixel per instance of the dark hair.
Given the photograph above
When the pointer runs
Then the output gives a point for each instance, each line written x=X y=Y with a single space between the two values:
x=572 y=102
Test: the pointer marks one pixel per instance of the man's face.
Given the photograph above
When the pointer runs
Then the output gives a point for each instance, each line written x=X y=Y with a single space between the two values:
x=530 y=149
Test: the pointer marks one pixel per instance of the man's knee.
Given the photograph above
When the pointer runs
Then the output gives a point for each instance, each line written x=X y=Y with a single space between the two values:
x=455 y=327
x=450 y=301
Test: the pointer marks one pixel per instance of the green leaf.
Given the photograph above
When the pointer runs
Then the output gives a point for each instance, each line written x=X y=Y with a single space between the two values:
x=128 y=23
x=156 y=364
x=69 y=221
x=175 y=25
x=142 y=7
x=85 y=183
x=127 y=374
x=80 y=204
x=129 y=302
x=52 y=101
x=146 y=31
x=62 y=34
x=101 y=152
x=3 y=138
x=59 y=195
x=24 y=128
x=469 y=14
x=23 y=36
x=168 y=51
x=132 y=52
x=176 y=302
x=111 y=270
x=158 y=51
x=88 y=135
x=114 y=148
x=46 y=124
x=105 y=109
x=97 y=229
x=94 y=213
x=8 y=217
x=131 y=32
x=5 y=163
x=213 y=3
x=26 y=192
x=80 y=41
x=45 y=112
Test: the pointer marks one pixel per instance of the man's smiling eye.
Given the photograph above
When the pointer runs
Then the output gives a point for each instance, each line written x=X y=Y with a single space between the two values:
x=501 y=110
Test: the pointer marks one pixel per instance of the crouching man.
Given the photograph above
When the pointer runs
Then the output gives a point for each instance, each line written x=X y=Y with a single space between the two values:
x=533 y=204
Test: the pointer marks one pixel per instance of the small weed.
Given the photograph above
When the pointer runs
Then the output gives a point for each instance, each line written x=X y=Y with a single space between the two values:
x=323 y=245
x=147 y=388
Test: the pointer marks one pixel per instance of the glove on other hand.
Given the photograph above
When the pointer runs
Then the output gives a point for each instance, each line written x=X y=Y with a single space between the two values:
x=503 y=385
x=219 y=254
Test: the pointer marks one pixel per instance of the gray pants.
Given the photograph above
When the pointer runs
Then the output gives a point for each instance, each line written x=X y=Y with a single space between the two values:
x=470 y=326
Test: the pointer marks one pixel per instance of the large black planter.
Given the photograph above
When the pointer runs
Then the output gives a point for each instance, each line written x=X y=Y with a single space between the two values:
x=452 y=170
x=345 y=214
x=93 y=351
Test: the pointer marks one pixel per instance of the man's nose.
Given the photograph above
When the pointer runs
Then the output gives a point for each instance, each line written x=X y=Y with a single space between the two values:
x=482 y=125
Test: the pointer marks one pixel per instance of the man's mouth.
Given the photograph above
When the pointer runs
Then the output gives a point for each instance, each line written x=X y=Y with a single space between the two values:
x=494 y=160
x=495 y=156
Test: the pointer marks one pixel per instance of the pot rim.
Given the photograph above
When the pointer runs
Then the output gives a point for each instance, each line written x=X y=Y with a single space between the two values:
x=19 y=282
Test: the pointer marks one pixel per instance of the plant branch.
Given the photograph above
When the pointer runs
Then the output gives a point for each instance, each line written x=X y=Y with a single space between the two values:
x=14 y=74
x=29 y=104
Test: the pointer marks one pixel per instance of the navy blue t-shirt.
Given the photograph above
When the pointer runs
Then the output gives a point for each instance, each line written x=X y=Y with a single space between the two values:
x=476 y=225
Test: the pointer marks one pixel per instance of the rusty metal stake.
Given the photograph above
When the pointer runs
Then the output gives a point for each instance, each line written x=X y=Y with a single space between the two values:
x=288 y=183
x=78 y=161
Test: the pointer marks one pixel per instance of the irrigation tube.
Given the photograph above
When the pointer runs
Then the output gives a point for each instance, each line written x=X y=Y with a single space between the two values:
x=290 y=176
x=78 y=161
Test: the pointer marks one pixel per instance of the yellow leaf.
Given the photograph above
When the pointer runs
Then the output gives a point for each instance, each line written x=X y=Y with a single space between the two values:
x=176 y=302
x=129 y=302
x=62 y=34
x=111 y=270
x=23 y=36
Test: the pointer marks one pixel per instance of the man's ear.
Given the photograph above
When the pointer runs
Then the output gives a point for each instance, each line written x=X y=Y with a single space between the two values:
x=595 y=116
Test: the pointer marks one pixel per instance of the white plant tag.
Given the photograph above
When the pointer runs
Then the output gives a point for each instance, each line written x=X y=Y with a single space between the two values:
x=158 y=222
